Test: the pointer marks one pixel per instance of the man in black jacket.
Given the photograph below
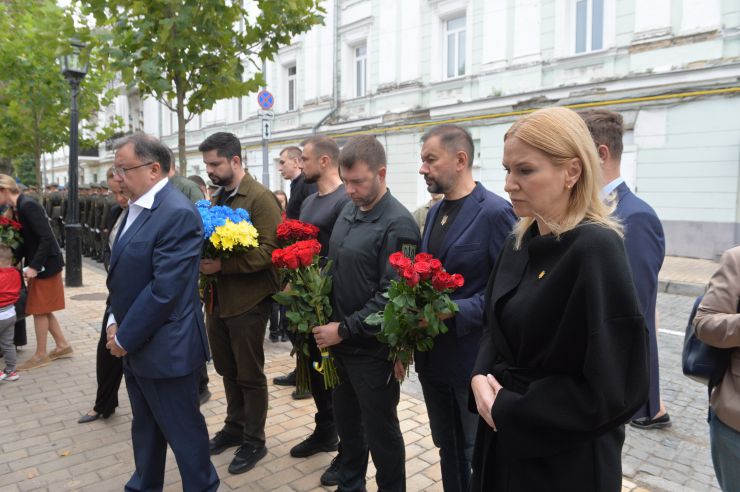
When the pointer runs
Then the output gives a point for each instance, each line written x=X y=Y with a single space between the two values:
x=366 y=233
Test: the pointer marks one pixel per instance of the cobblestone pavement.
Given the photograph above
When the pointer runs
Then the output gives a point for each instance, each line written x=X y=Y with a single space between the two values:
x=678 y=458
x=43 y=448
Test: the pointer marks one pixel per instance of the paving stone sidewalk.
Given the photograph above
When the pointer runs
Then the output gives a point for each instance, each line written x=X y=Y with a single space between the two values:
x=43 y=447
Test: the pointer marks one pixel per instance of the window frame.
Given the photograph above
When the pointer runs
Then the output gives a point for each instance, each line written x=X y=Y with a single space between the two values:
x=589 y=27
x=292 y=87
x=458 y=51
x=360 y=65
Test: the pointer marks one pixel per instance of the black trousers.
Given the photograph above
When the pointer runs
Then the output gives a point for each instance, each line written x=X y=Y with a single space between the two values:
x=322 y=397
x=109 y=371
x=238 y=355
x=365 y=410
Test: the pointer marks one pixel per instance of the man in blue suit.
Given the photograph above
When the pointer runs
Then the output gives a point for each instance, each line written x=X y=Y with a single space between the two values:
x=466 y=231
x=644 y=243
x=156 y=323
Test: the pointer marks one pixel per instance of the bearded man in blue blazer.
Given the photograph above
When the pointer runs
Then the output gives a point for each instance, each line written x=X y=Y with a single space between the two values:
x=156 y=323
x=645 y=245
x=466 y=231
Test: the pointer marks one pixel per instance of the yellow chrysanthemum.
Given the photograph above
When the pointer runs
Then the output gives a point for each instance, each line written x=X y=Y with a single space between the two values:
x=231 y=235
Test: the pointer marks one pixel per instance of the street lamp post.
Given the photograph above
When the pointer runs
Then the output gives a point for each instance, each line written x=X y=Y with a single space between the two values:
x=74 y=70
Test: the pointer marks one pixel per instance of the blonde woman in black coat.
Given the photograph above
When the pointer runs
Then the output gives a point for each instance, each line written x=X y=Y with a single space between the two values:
x=563 y=359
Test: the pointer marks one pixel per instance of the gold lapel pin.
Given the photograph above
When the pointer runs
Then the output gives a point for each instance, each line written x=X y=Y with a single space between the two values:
x=542 y=274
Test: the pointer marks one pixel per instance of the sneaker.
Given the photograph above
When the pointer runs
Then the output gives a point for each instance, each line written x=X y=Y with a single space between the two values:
x=662 y=422
x=246 y=457
x=222 y=441
x=9 y=376
x=330 y=477
x=287 y=380
x=312 y=445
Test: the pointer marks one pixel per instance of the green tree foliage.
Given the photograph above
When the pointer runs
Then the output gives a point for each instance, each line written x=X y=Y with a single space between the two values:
x=34 y=97
x=25 y=169
x=189 y=54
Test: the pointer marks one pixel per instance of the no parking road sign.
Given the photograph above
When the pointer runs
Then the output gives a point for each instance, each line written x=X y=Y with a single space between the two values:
x=265 y=99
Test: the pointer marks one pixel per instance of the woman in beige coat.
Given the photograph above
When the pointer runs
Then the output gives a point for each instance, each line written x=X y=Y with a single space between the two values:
x=718 y=324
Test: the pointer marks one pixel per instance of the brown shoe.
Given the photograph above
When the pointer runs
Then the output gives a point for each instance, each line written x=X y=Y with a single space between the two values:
x=58 y=353
x=34 y=362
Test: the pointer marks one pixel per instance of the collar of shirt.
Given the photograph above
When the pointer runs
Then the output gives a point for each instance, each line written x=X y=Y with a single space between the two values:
x=606 y=190
x=147 y=199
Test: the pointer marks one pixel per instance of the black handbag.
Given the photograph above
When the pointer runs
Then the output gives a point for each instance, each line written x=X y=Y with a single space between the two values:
x=702 y=362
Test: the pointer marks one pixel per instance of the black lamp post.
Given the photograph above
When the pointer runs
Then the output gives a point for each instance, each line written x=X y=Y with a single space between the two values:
x=74 y=70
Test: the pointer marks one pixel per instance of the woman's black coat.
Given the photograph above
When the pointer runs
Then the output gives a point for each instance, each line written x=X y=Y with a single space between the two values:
x=565 y=338
x=40 y=248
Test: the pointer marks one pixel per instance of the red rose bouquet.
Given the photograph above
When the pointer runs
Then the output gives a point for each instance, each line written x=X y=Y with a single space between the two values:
x=289 y=231
x=307 y=305
x=418 y=302
x=10 y=234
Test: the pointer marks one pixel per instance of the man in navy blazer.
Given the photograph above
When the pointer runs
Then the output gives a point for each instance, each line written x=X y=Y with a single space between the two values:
x=645 y=245
x=466 y=231
x=156 y=323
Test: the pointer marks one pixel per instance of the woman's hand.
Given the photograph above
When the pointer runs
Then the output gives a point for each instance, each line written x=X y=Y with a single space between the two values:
x=485 y=390
x=29 y=273
x=399 y=371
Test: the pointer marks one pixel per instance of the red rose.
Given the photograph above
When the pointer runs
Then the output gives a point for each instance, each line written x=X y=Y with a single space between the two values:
x=441 y=281
x=423 y=257
x=291 y=260
x=424 y=270
x=410 y=276
x=277 y=258
x=457 y=281
x=306 y=256
x=395 y=259
x=436 y=265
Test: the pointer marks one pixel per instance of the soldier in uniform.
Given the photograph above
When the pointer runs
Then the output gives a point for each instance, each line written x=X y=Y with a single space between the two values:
x=99 y=214
x=85 y=201
x=54 y=199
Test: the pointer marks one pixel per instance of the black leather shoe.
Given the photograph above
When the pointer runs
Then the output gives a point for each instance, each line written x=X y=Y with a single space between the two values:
x=274 y=337
x=222 y=441
x=245 y=458
x=204 y=396
x=330 y=477
x=662 y=422
x=305 y=395
x=313 y=445
x=287 y=380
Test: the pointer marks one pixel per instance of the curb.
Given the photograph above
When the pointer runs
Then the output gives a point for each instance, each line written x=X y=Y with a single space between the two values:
x=689 y=289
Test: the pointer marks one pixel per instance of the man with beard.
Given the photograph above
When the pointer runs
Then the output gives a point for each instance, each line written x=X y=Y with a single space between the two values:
x=466 y=231
x=367 y=232
x=244 y=287
x=321 y=166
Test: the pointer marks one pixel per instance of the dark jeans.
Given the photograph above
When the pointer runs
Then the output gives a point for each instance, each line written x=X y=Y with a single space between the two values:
x=238 y=356
x=453 y=431
x=365 y=410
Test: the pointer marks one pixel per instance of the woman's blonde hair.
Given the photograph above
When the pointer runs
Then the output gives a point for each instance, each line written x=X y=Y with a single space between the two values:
x=562 y=135
x=8 y=183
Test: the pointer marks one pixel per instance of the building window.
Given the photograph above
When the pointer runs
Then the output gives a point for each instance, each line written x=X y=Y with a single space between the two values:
x=291 y=88
x=455 y=41
x=589 y=25
x=361 y=70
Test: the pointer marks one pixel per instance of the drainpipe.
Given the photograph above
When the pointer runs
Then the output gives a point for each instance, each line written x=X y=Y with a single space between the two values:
x=335 y=83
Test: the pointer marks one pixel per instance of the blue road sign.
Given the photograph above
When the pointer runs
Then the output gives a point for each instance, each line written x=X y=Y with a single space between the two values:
x=265 y=99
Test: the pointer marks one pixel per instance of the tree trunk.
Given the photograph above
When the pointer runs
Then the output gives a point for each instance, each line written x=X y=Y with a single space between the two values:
x=37 y=153
x=6 y=166
x=183 y=158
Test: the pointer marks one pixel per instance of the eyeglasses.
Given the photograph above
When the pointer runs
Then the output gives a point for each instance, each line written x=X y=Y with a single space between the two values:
x=121 y=171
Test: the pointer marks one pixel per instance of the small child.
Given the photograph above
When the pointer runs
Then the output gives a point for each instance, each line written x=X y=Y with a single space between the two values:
x=10 y=288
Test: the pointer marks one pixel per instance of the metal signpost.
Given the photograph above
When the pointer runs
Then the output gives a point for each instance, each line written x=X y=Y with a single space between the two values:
x=266 y=101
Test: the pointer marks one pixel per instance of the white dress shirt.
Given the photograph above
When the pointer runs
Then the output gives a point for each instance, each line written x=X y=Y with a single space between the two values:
x=145 y=201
